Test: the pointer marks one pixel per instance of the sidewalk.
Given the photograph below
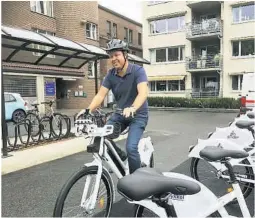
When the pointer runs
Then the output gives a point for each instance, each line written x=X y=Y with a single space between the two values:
x=40 y=154
x=212 y=110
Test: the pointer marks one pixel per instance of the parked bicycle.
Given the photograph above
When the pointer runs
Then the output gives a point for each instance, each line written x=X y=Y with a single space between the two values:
x=170 y=194
x=57 y=122
x=95 y=193
x=215 y=172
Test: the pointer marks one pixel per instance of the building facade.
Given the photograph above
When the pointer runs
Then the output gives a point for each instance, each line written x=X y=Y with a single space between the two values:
x=79 y=21
x=198 y=48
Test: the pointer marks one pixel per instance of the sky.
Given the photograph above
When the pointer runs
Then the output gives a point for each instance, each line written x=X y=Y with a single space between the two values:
x=129 y=8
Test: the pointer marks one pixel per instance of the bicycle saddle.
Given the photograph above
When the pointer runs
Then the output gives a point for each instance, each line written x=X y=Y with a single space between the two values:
x=251 y=115
x=213 y=153
x=244 y=124
x=146 y=182
x=34 y=104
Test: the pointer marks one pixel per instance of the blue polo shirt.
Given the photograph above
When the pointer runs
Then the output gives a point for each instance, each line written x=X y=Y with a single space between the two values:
x=124 y=88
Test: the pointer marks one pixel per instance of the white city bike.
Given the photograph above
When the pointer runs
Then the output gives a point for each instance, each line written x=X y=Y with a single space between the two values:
x=238 y=137
x=95 y=195
x=168 y=194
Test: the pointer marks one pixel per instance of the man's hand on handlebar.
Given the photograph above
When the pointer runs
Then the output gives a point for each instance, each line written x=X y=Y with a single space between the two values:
x=129 y=112
x=83 y=112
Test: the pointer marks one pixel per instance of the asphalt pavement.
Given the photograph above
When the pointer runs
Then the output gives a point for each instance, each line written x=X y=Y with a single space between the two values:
x=32 y=192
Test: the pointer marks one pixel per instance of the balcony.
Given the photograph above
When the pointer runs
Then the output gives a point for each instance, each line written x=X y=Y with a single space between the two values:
x=204 y=93
x=203 y=5
x=204 y=63
x=206 y=29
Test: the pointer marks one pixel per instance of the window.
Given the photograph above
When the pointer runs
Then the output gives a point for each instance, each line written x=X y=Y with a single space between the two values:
x=243 y=48
x=161 y=86
x=237 y=82
x=114 y=30
x=243 y=13
x=133 y=52
x=9 y=98
x=164 y=86
x=167 y=54
x=109 y=31
x=126 y=34
x=43 y=47
x=91 y=31
x=168 y=25
x=161 y=55
x=91 y=70
x=139 y=39
x=42 y=7
x=130 y=37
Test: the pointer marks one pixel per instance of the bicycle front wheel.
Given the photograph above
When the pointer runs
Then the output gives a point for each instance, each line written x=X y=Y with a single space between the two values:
x=68 y=203
x=59 y=125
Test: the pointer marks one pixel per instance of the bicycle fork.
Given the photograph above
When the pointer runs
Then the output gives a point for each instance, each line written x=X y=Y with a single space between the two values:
x=89 y=204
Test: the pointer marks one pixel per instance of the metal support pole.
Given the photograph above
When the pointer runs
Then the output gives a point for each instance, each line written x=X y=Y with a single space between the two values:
x=96 y=85
x=4 y=126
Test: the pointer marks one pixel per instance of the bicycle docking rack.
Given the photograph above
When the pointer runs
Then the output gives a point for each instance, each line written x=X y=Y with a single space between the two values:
x=24 y=136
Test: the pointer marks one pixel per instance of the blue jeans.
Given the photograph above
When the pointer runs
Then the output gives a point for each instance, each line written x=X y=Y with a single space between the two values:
x=136 y=128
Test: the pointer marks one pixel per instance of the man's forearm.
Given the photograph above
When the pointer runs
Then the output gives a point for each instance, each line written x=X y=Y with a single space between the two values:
x=140 y=99
x=96 y=102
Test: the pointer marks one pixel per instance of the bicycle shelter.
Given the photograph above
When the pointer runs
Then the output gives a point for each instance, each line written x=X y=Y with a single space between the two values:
x=23 y=48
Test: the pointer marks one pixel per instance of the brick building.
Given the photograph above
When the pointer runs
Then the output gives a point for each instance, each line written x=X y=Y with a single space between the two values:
x=78 y=21
x=115 y=25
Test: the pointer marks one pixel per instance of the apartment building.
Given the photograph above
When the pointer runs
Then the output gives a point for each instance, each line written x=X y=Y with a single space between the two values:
x=198 y=48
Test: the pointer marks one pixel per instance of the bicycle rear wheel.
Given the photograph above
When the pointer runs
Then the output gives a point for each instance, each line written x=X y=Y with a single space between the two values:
x=72 y=192
x=35 y=120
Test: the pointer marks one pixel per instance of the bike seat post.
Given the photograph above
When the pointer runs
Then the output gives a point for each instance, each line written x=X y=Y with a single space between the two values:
x=233 y=178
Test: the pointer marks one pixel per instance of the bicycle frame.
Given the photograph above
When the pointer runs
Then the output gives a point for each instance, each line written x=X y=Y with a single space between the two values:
x=222 y=201
x=226 y=144
x=197 y=205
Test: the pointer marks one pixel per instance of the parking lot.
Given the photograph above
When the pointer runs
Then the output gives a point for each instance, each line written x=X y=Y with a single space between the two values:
x=33 y=191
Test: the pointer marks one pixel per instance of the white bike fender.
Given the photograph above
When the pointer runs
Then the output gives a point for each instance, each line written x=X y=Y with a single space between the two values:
x=151 y=206
x=193 y=205
x=95 y=163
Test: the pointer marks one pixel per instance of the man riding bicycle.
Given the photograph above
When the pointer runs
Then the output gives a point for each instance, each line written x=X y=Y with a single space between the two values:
x=129 y=85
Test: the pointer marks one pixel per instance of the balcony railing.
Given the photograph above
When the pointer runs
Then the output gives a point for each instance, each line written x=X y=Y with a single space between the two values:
x=204 y=62
x=205 y=28
x=204 y=93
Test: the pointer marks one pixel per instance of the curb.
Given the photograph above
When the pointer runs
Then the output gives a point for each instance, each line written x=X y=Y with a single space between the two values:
x=212 y=110
x=45 y=153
